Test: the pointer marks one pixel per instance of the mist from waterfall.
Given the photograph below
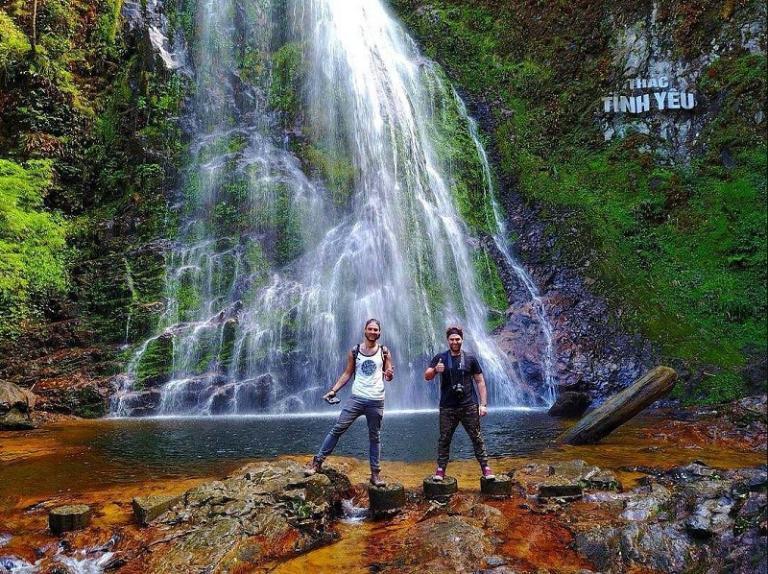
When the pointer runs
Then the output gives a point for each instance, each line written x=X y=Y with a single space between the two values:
x=325 y=185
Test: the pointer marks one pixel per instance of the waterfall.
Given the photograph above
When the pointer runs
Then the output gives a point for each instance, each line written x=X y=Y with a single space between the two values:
x=333 y=176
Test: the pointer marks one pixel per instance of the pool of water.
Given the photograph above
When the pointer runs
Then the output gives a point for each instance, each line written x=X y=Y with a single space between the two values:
x=115 y=451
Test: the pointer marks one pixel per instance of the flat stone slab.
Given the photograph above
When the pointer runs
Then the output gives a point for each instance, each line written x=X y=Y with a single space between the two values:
x=557 y=487
x=147 y=508
x=386 y=500
x=440 y=488
x=71 y=517
x=501 y=486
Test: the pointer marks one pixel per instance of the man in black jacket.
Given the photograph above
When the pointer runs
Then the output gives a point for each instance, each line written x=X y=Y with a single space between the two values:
x=458 y=400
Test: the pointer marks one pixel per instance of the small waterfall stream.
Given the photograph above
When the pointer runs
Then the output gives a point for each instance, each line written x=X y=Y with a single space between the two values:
x=334 y=175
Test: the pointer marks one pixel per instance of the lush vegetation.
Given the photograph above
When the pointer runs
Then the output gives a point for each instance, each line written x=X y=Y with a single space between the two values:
x=679 y=248
x=32 y=243
x=91 y=142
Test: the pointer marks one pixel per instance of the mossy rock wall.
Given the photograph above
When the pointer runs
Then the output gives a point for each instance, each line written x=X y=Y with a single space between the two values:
x=662 y=214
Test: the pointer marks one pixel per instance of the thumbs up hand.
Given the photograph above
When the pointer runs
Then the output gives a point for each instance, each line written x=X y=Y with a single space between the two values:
x=440 y=367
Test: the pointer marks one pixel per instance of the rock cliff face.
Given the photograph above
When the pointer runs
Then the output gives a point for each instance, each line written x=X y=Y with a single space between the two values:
x=643 y=230
x=624 y=215
x=114 y=137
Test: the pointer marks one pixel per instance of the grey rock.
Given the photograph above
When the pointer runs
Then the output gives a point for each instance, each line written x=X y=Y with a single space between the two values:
x=710 y=517
x=569 y=404
x=16 y=405
x=601 y=546
x=646 y=503
x=665 y=547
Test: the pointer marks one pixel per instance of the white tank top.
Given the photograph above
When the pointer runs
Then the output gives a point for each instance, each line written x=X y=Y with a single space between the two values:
x=369 y=375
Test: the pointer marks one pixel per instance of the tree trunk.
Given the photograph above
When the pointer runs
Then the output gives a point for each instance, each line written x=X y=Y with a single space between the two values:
x=621 y=407
x=34 y=27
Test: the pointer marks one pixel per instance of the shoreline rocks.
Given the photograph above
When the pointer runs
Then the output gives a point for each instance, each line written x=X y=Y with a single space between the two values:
x=16 y=405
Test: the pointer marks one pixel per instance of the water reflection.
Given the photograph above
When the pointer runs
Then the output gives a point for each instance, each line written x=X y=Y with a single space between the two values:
x=106 y=452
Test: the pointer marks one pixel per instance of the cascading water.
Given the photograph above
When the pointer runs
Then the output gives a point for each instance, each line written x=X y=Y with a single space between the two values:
x=333 y=177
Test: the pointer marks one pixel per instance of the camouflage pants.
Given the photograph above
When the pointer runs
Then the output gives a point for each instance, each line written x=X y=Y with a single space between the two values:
x=470 y=420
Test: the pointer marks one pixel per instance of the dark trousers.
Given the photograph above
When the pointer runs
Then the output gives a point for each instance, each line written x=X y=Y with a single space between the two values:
x=469 y=417
x=353 y=408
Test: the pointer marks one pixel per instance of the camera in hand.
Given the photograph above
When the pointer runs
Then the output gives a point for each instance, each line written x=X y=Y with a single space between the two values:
x=334 y=400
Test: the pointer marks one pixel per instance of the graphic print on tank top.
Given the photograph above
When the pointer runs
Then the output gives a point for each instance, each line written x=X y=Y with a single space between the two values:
x=369 y=379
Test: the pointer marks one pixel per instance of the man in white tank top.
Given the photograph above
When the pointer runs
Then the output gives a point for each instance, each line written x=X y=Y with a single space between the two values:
x=370 y=364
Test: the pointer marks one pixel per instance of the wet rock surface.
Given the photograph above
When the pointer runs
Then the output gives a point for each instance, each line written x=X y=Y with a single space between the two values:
x=263 y=511
x=689 y=515
x=569 y=404
x=16 y=406
x=265 y=515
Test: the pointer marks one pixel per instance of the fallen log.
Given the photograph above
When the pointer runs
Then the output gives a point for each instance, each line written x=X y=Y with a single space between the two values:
x=621 y=407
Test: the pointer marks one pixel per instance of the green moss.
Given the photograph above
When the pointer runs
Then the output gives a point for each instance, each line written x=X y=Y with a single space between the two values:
x=257 y=264
x=86 y=402
x=284 y=90
x=32 y=243
x=458 y=152
x=252 y=65
x=188 y=297
x=290 y=242
x=156 y=363
x=109 y=21
x=14 y=44
x=491 y=287
x=681 y=250
x=335 y=169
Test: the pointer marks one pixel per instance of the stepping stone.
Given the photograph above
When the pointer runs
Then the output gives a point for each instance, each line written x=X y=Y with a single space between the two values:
x=66 y=518
x=440 y=488
x=559 y=487
x=147 y=508
x=386 y=500
x=501 y=486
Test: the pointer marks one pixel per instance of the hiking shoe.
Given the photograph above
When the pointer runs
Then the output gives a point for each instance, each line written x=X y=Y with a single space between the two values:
x=313 y=467
x=439 y=474
x=376 y=479
x=488 y=473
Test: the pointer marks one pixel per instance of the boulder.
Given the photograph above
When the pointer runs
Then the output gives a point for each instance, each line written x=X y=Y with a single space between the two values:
x=570 y=404
x=710 y=517
x=456 y=542
x=646 y=503
x=264 y=511
x=589 y=476
x=255 y=395
x=16 y=405
x=601 y=546
x=660 y=546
